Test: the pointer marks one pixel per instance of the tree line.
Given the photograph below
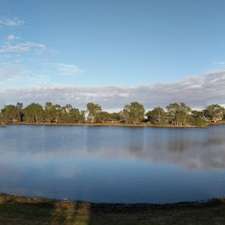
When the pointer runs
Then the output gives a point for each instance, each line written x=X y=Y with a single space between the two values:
x=175 y=114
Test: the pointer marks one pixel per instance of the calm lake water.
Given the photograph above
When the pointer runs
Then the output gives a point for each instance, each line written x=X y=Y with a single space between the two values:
x=103 y=164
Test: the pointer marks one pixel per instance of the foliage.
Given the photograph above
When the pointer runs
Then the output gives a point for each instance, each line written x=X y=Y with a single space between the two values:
x=157 y=116
x=134 y=112
x=52 y=112
x=178 y=113
x=214 y=112
x=12 y=113
x=93 y=109
x=34 y=113
x=175 y=114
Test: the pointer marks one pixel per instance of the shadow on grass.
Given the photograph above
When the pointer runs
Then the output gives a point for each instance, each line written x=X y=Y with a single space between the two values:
x=66 y=213
x=16 y=210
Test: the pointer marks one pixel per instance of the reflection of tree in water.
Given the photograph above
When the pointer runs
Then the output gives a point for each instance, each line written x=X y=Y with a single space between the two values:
x=136 y=141
x=180 y=142
x=164 y=140
x=106 y=139
x=195 y=148
x=183 y=140
x=94 y=139
x=192 y=148
x=216 y=136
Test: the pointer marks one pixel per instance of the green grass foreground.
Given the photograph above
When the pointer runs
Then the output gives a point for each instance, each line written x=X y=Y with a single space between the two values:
x=16 y=210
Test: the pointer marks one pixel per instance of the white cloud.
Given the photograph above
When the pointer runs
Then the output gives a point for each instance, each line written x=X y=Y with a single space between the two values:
x=196 y=91
x=11 y=22
x=11 y=37
x=68 y=69
x=22 y=47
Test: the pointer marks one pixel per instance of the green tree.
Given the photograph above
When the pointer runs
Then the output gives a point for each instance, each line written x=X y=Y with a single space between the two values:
x=198 y=119
x=34 y=113
x=134 y=112
x=178 y=113
x=214 y=112
x=71 y=115
x=10 y=113
x=175 y=107
x=157 y=116
x=19 y=107
x=93 y=109
x=115 y=116
x=102 y=117
x=52 y=112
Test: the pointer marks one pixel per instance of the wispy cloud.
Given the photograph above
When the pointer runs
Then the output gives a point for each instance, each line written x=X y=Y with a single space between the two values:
x=11 y=37
x=9 y=71
x=68 y=69
x=23 y=47
x=197 y=91
x=219 y=63
x=11 y=22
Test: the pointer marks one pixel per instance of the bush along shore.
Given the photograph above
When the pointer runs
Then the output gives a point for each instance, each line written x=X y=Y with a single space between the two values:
x=16 y=210
x=132 y=115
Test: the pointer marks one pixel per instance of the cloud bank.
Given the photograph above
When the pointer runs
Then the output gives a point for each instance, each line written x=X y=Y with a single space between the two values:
x=196 y=91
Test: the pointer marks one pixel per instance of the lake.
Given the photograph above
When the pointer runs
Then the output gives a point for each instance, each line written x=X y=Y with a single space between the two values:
x=113 y=164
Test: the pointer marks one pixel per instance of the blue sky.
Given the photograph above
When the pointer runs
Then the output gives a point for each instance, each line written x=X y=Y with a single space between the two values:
x=49 y=43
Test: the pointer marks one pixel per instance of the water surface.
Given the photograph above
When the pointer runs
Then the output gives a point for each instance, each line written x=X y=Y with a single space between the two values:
x=113 y=164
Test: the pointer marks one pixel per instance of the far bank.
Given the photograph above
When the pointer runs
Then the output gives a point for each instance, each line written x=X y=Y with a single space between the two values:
x=137 y=125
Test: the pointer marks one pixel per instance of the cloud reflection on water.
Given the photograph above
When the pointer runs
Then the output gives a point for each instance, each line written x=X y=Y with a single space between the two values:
x=111 y=164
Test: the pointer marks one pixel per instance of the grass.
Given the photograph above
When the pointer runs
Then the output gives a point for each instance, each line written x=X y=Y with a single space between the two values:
x=15 y=210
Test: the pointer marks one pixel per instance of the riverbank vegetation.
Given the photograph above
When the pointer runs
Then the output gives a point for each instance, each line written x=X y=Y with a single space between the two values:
x=15 y=210
x=174 y=115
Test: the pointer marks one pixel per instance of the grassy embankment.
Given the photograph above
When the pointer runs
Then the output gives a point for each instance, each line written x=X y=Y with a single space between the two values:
x=16 y=210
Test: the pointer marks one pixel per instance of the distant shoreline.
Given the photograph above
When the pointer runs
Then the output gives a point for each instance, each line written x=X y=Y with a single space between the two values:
x=138 y=125
x=133 y=115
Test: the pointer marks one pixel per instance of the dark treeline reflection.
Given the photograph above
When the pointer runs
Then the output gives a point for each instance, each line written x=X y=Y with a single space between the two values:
x=112 y=164
x=180 y=146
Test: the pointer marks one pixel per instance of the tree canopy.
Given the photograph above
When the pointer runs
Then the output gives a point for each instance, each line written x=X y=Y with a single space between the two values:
x=175 y=114
x=134 y=112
